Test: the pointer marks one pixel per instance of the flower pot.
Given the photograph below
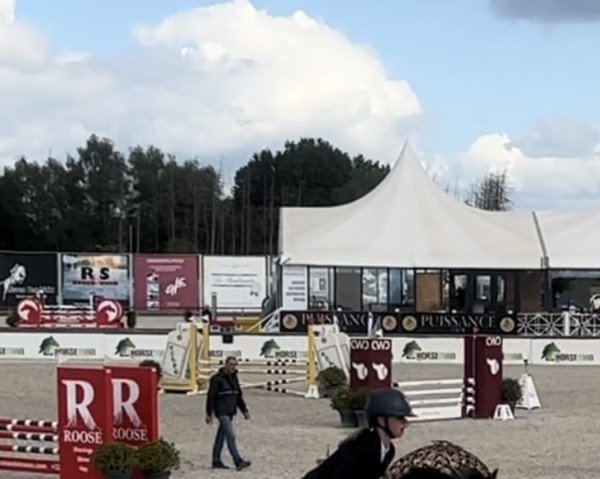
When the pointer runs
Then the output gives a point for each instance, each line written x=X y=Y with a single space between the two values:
x=361 y=419
x=117 y=474
x=513 y=406
x=348 y=418
x=157 y=474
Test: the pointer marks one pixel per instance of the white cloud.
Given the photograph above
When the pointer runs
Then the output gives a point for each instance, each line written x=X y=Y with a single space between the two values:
x=221 y=80
x=547 y=182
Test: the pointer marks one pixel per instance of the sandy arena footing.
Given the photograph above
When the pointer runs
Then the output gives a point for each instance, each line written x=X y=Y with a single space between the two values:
x=288 y=434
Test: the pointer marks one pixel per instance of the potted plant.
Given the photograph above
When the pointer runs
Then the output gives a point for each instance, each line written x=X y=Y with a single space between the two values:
x=511 y=392
x=341 y=402
x=330 y=379
x=358 y=402
x=116 y=460
x=157 y=459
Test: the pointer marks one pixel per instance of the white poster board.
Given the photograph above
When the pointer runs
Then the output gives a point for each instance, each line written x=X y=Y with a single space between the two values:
x=240 y=282
x=294 y=294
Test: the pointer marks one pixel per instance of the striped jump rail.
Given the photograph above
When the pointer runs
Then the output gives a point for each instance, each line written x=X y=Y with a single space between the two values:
x=29 y=422
x=29 y=429
x=12 y=456
x=29 y=436
x=28 y=449
x=436 y=399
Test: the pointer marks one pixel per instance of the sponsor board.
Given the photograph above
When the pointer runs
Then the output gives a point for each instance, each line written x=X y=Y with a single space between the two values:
x=294 y=287
x=135 y=347
x=105 y=275
x=428 y=350
x=566 y=352
x=240 y=282
x=50 y=347
x=23 y=275
x=517 y=351
x=163 y=282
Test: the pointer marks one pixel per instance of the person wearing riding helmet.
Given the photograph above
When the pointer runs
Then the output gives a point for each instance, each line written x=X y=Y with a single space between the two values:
x=368 y=453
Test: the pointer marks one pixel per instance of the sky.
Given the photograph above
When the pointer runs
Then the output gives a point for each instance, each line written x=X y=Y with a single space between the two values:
x=475 y=85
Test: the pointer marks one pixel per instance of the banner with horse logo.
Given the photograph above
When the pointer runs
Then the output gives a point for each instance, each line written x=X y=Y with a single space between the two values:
x=166 y=282
x=24 y=275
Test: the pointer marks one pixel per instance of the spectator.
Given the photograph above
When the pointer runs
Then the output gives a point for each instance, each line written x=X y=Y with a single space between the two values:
x=223 y=400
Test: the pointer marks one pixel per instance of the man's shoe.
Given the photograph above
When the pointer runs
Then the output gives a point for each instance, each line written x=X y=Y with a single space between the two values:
x=219 y=465
x=242 y=465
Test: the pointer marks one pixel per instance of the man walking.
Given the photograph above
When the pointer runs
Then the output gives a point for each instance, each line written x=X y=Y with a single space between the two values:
x=223 y=399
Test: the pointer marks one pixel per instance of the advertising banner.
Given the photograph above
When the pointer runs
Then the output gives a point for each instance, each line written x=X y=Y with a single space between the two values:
x=164 y=282
x=426 y=350
x=240 y=282
x=24 y=275
x=455 y=323
x=371 y=363
x=565 y=352
x=105 y=275
x=294 y=287
x=85 y=417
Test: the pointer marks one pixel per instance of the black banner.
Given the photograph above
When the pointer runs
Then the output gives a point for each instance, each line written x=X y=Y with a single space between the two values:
x=23 y=275
x=348 y=321
x=406 y=323
x=456 y=323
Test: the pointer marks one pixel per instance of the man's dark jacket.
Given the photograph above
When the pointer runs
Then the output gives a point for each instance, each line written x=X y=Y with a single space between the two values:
x=224 y=395
x=358 y=457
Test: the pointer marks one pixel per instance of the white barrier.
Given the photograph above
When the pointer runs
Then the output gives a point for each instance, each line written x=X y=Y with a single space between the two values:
x=430 y=402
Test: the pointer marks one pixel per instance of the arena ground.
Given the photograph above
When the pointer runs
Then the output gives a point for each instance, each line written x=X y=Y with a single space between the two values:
x=287 y=434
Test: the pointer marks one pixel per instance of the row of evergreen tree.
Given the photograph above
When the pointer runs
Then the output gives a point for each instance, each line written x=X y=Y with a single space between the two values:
x=148 y=201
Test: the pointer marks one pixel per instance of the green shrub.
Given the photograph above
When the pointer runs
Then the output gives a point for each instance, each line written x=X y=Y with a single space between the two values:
x=332 y=377
x=115 y=456
x=157 y=456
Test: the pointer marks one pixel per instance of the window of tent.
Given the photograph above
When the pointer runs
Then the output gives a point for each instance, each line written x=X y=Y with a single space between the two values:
x=347 y=288
x=374 y=288
x=321 y=289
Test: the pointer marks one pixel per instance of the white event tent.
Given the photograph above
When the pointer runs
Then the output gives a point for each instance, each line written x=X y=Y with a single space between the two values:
x=408 y=222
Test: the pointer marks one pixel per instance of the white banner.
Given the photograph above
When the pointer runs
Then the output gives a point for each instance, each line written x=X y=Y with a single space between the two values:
x=516 y=351
x=565 y=351
x=428 y=350
x=294 y=288
x=416 y=350
x=240 y=282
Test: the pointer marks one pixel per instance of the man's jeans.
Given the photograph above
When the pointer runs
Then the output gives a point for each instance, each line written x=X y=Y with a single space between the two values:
x=225 y=432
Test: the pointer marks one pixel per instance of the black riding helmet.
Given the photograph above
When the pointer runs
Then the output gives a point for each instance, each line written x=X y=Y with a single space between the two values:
x=387 y=403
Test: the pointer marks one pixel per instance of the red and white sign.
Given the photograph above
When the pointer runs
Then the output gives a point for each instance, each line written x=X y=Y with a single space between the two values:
x=370 y=363
x=84 y=419
x=96 y=406
x=33 y=313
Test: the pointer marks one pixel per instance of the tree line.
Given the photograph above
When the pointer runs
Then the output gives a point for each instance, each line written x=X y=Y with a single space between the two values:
x=149 y=201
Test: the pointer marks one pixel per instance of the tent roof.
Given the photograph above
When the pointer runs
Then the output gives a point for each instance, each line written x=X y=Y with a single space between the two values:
x=407 y=221
x=571 y=238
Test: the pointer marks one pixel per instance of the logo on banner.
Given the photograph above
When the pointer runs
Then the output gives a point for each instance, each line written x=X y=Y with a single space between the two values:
x=269 y=348
x=371 y=345
x=127 y=348
x=126 y=395
x=79 y=396
x=173 y=288
x=552 y=353
x=16 y=276
x=493 y=366
x=362 y=372
x=11 y=351
x=51 y=347
x=413 y=352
